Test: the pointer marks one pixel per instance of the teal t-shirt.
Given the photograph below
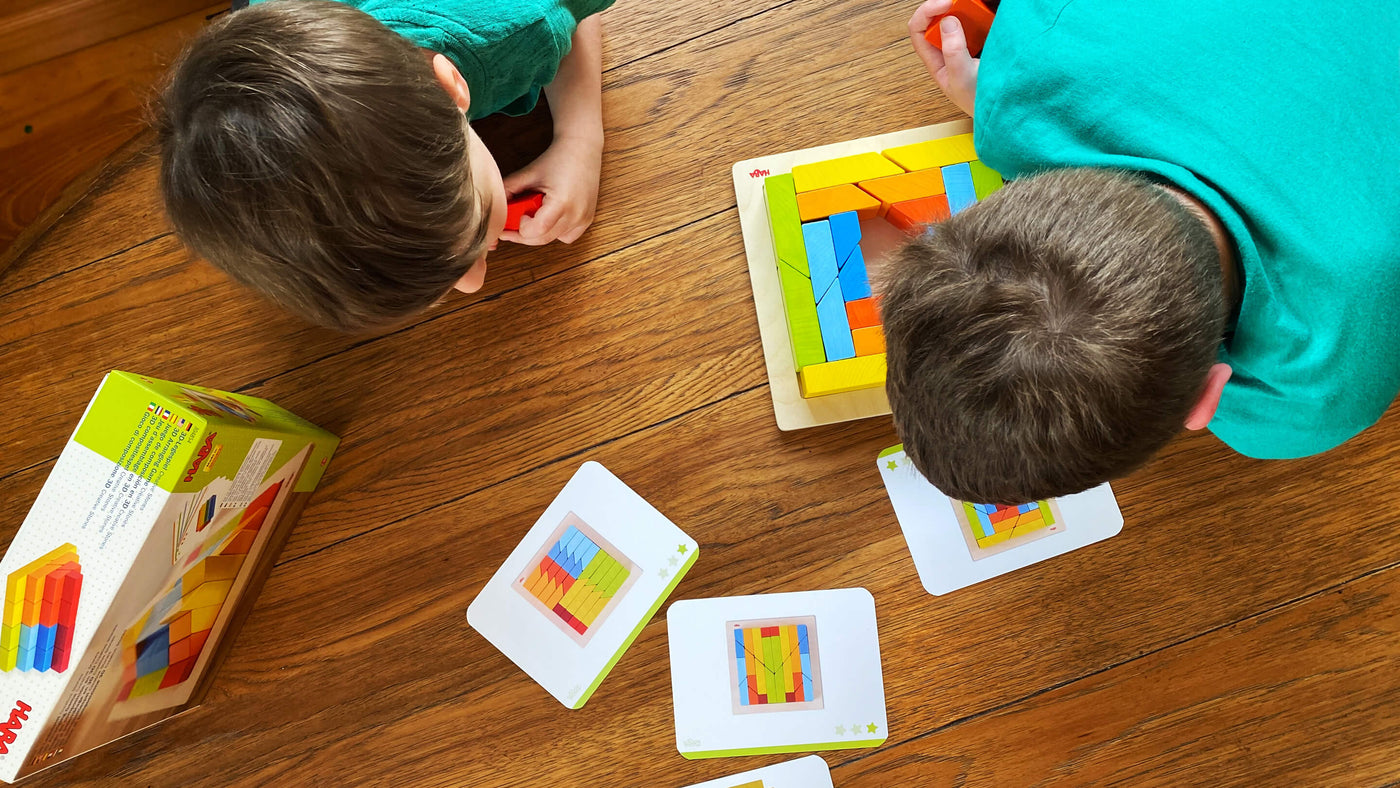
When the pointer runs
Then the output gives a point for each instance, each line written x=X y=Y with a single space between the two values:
x=1282 y=117
x=507 y=50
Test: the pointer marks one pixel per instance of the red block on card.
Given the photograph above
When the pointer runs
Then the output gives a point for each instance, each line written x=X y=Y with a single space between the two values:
x=523 y=205
x=913 y=216
x=976 y=21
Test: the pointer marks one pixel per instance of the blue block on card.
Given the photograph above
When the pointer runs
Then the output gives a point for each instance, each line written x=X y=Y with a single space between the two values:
x=845 y=237
x=835 y=326
x=957 y=182
x=821 y=261
x=855 y=284
x=153 y=653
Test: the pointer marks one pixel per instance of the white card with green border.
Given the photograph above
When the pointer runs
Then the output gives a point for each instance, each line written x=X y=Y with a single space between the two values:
x=809 y=772
x=580 y=586
x=769 y=673
x=955 y=543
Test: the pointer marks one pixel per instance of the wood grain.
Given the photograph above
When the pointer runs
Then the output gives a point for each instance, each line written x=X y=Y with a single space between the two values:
x=1242 y=630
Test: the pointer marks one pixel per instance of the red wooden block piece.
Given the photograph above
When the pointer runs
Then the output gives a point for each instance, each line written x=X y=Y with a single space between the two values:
x=914 y=215
x=524 y=204
x=862 y=313
x=976 y=21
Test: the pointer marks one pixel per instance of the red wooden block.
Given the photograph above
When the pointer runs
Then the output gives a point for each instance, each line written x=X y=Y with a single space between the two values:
x=177 y=673
x=264 y=500
x=976 y=21
x=524 y=204
x=862 y=313
x=914 y=215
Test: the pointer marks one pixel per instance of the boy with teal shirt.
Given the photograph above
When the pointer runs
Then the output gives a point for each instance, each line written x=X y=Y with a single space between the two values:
x=319 y=151
x=1134 y=126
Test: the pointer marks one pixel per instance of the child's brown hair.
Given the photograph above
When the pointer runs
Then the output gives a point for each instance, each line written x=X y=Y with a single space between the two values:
x=310 y=152
x=1052 y=337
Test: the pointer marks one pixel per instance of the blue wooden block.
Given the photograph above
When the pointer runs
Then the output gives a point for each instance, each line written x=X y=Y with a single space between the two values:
x=845 y=237
x=836 y=329
x=43 y=647
x=957 y=182
x=855 y=283
x=153 y=653
x=28 y=636
x=25 y=660
x=821 y=263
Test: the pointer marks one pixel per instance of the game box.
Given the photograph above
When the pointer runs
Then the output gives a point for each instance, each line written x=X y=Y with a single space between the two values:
x=139 y=559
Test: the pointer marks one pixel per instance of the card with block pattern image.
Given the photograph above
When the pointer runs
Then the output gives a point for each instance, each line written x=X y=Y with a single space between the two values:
x=958 y=543
x=576 y=592
x=817 y=223
x=807 y=772
x=768 y=673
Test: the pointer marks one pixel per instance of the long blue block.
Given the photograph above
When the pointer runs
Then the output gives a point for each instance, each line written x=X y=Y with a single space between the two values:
x=855 y=283
x=26 y=659
x=836 y=328
x=821 y=262
x=43 y=647
x=845 y=236
x=957 y=182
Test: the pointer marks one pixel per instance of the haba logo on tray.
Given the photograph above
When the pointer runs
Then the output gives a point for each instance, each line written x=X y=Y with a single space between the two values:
x=201 y=455
x=9 y=729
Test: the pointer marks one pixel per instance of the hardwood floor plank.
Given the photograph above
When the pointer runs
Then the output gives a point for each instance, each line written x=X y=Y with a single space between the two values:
x=41 y=31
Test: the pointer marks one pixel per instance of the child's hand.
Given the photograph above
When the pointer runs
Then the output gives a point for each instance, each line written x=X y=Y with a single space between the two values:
x=567 y=174
x=954 y=69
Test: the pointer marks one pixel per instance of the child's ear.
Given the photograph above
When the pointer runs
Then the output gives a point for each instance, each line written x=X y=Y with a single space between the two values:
x=1204 y=409
x=451 y=80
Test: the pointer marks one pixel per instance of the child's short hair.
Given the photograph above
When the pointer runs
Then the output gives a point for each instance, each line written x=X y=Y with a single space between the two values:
x=1052 y=337
x=311 y=153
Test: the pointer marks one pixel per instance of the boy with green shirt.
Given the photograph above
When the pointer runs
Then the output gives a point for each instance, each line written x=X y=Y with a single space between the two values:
x=1203 y=230
x=320 y=151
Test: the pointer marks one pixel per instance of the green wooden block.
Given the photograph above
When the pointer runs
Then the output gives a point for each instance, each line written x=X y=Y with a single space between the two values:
x=985 y=180
x=801 y=309
x=785 y=222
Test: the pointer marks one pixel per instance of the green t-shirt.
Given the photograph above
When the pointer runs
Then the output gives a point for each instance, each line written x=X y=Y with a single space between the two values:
x=1282 y=117
x=507 y=50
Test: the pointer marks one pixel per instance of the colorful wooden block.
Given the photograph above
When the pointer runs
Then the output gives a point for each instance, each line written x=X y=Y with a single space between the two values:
x=836 y=331
x=985 y=180
x=847 y=169
x=913 y=216
x=39 y=611
x=869 y=340
x=933 y=153
x=957 y=180
x=836 y=377
x=976 y=19
x=831 y=305
x=855 y=282
x=903 y=188
x=785 y=222
x=845 y=236
x=862 y=313
x=822 y=203
x=524 y=204
x=821 y=257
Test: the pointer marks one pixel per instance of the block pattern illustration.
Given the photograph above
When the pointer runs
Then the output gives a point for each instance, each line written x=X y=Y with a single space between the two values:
x=41 y=608
x=993 y=523
x=814 y=213
x=775 y=665
x=161 y=648
x=576 y=579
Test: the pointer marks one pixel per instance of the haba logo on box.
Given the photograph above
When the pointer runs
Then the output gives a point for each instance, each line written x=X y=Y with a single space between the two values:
x=9 y=729
x=200 y=456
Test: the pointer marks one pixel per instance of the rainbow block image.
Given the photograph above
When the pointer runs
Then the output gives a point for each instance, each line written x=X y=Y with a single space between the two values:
x=994 y=523
x=161 y=648
x=41 y=607
x=775 y=665
x=577 y=578
x=901 y=180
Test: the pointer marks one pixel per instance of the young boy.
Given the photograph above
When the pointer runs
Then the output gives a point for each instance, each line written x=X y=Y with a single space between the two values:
x=319 y=152
x=1204 y=230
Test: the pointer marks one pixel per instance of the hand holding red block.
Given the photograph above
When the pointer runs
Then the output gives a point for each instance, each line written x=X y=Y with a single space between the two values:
x=976 y=20
x=524 y=204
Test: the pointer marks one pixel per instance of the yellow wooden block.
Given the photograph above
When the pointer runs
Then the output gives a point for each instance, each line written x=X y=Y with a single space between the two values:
x=995 y=539
x=933 y=153
x=204 y=595
x=215 y=567
x=836 y=377
x=822 y=203
x=848 y=169
x=869 y=341
x=9 y=659
x=903 y=188
x=202 y=618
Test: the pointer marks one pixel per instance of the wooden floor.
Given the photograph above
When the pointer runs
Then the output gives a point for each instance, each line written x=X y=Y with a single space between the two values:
x=1243 y=630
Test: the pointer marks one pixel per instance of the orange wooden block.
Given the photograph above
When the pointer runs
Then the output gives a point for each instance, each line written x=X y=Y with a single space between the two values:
x=913 y=216
x=869 y=340
x=976 y=21
x=862 y=313
x=903 y=188
x=822 y=203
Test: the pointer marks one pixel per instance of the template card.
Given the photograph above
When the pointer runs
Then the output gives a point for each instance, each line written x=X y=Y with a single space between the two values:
x=776 y=673
x=809 y=772
x=956 y=543
x=576 y=592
